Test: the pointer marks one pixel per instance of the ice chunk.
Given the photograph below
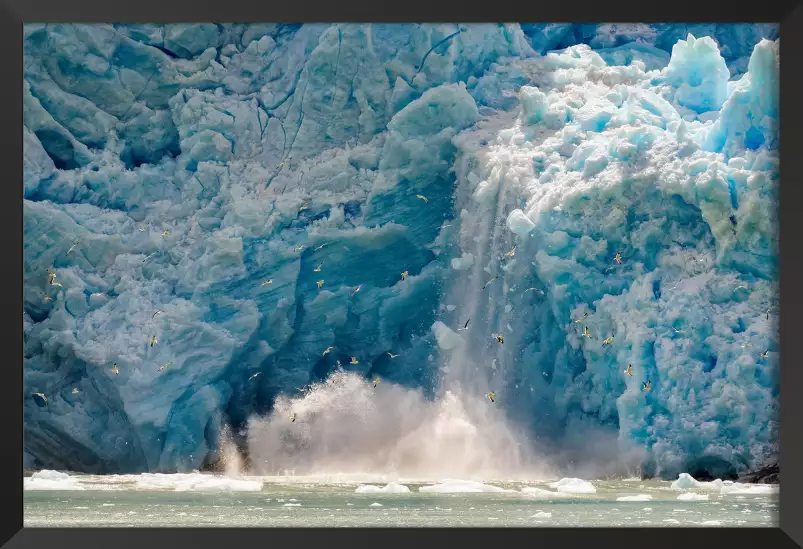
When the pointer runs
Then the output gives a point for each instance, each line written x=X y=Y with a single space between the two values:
x=573 y=486
x=740 y=489
x=196 y=482
x=460 y=487
x=534 y=104
x=51 y=480
x=446 y=337
x=519 y=223
x=390 y=488
x=749 y=118
x=691 y=496
x=541 y=494
x=686 y=481
x=699 y=73
x=637 y=497
x=463 y=262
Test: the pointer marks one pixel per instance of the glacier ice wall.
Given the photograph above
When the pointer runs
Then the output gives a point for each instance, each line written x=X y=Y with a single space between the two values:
x=179 y=168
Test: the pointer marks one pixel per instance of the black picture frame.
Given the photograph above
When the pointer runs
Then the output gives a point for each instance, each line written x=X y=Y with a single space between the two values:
x=789 y=13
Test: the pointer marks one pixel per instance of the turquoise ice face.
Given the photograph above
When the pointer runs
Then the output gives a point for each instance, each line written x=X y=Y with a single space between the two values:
x=179 y=168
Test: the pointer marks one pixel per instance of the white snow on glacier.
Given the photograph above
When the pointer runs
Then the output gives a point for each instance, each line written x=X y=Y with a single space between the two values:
x=178 y=168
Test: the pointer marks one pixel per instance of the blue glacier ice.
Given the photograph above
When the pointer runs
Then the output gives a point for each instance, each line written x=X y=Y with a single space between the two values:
x=252 y=194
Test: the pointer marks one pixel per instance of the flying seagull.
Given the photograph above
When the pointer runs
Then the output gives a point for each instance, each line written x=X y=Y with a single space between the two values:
x=491 y=396
x=629 y=370
x=422 y=197
x=357 y=289
x=489 y=282
x=465 y=326
x=391 y=355
x=328 y=349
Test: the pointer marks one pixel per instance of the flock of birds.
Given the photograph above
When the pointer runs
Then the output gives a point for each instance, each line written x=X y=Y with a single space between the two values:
x=152 y=341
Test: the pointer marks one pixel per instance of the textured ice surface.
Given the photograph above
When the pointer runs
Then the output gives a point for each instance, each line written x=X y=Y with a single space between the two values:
x=177 y=168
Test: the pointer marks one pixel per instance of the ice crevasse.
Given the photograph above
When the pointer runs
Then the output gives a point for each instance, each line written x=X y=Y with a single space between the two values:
x=180 y=168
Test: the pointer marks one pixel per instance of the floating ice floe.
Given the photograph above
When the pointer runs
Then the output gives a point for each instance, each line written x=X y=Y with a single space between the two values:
x=51 y=480
x=541 y=494
x=691 y=496
x=461 y=487
x=196 y=482
x=638 y=497
x=573 y=486
x=390 y=488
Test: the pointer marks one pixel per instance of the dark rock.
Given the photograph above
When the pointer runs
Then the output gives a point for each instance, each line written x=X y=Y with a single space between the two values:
x=769 y=474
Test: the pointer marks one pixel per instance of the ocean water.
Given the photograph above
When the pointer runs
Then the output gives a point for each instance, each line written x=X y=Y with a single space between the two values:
x=195 y=500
